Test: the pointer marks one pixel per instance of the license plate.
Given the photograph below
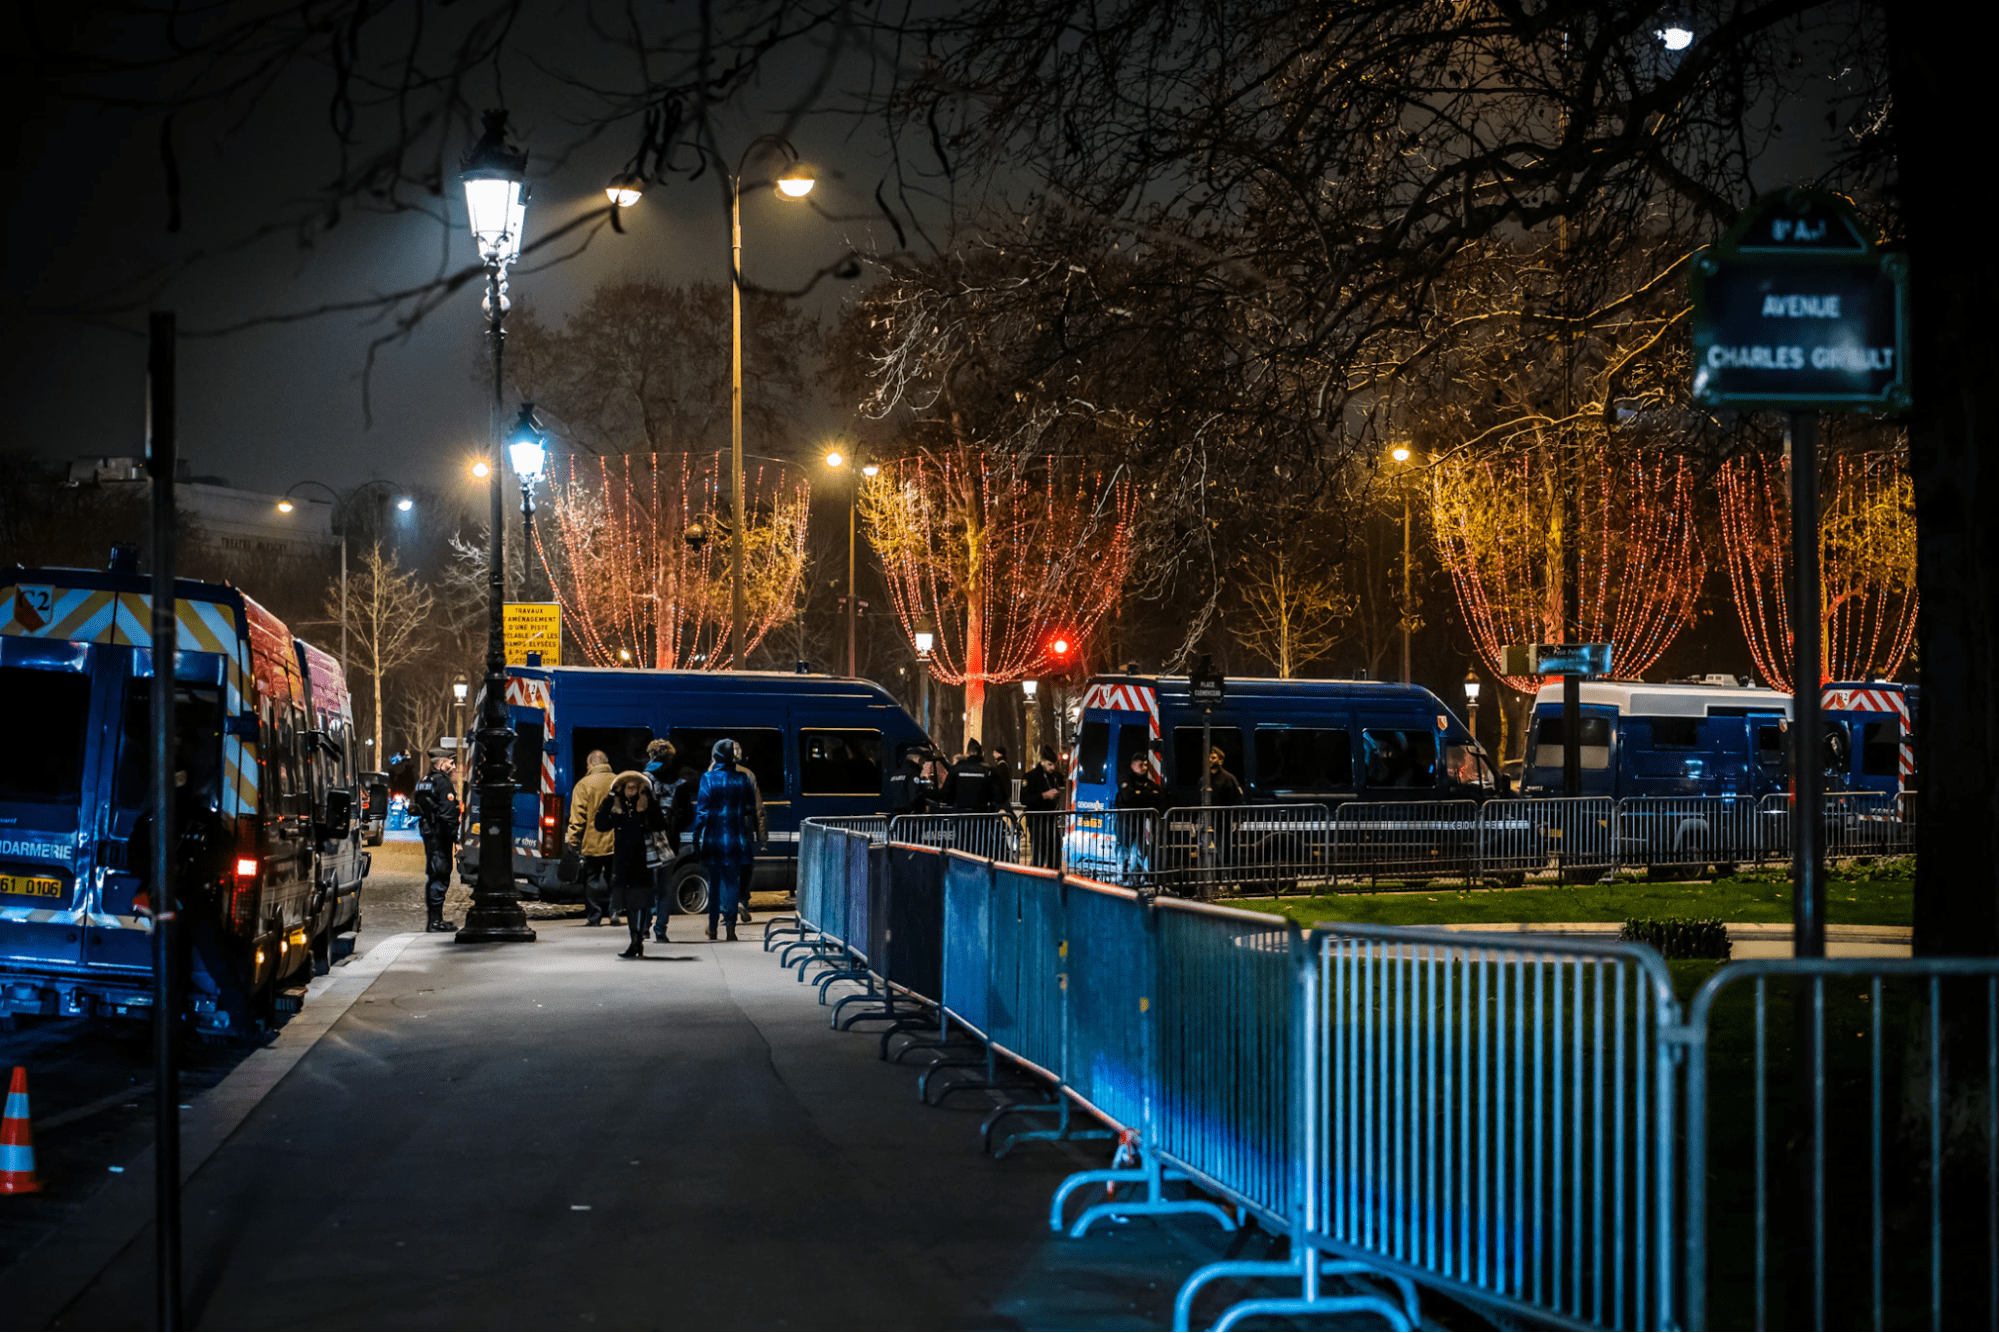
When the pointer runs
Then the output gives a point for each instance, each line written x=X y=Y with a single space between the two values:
x=32 y=886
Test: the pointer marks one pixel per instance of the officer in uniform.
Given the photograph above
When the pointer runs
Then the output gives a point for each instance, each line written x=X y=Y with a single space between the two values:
x=436 y=802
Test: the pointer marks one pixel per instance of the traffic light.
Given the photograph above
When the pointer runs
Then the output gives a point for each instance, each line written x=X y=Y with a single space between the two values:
x=1060 y=650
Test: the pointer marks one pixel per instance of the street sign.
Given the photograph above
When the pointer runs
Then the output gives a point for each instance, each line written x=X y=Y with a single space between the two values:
x=533 y=627
x=1796 y=309
x=1555 y=659
x=1204 y=685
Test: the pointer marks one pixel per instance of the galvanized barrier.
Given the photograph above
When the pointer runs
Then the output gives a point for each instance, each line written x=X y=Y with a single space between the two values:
x=1858 y=825
x=1892 y=1150
x=1111 y=846
x=1421 y=841
x=996 y=837
x=1570 y=838
x=1266 y=850
x=1685 y=834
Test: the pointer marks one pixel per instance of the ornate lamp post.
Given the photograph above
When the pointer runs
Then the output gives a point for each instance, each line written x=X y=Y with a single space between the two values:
x=795 y=182
x=496 y=197
x=835 y=459
x=527 y=449
x=924 y=637
x=1471 y=701
x=1401 y=455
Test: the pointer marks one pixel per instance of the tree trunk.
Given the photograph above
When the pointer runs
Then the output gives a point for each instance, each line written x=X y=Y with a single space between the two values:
x=1940 y=88
x=975 y=669
x=375 y=678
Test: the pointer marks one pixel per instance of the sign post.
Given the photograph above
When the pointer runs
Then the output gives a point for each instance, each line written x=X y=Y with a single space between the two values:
x=1796 y=310
x=1206 y=690
x=533 y=627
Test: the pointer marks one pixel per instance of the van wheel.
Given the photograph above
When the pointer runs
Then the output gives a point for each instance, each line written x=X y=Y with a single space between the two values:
x=690 y=890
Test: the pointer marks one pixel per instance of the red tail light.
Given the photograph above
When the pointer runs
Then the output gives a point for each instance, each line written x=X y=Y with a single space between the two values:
x=248 y=868
x=551 y=826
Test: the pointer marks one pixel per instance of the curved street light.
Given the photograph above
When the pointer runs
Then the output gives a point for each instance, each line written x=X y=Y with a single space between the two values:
x=285 y=506
x=794 y=182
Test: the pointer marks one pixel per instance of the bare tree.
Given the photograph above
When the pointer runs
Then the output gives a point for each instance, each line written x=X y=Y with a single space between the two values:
x=388 y=613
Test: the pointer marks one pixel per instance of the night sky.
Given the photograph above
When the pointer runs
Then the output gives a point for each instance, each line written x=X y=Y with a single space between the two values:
x=271 y=405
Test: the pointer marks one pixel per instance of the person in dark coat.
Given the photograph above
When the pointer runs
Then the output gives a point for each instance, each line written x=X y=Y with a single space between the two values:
x=906 y=786
x=1042 y=794
x=436 y=802
x=970 y=786
x=1139 y=797
x=631 y=816
x=726 y=833
x=1223 y=787
x=664 y=777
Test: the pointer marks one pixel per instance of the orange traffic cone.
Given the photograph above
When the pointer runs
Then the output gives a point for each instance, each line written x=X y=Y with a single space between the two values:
x=17 y=1141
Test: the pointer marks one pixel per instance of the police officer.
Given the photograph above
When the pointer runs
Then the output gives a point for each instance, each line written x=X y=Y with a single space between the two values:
x=436 y=802
x=971 y=782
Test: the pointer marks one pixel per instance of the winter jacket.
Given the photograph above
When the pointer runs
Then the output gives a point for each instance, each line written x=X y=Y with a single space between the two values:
x=583 y=803
x=629 y=827
x=1142 y=791
x=725 y=817
x=1223 y=789
x=442 y=800
x=1042 y=790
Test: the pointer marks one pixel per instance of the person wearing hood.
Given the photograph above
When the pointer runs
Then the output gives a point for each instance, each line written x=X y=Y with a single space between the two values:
x=725 y=833
x=630 y=813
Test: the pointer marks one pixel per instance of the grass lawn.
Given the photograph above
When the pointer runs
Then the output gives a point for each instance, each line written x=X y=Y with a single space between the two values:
x=1878 y=895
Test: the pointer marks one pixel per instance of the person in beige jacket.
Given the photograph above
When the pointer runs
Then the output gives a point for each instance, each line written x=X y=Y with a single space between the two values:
x=594 y=846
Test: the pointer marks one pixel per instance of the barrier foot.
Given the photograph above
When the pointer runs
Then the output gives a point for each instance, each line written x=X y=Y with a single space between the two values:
x=888 y=1011
x=1408 y=1317
x=1338 y=1305
x=1064 y=1130
x=1150 y=1207
x=844 y=973
x=774 y=931
x=921 y=1022
x=821 y=952
x=810 y=948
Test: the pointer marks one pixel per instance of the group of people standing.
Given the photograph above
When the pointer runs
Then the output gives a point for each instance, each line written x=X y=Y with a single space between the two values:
x=627 y=829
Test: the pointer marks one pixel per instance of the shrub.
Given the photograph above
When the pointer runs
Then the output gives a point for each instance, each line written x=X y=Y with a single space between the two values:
x=1679 y=936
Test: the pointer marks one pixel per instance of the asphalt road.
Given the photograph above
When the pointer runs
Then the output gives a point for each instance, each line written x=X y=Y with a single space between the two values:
x=546 y=1135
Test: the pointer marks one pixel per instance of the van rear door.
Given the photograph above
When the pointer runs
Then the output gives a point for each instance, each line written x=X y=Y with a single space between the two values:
x=52 y=793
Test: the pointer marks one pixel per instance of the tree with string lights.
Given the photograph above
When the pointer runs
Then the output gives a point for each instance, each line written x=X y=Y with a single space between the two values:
x=1867 y=560
x=1497 y=517
x=639 y=559
x=999 y=555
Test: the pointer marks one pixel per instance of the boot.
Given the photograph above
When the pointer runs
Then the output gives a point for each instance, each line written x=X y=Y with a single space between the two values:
x=436 y=921
x=732 y=930
x=711 y=930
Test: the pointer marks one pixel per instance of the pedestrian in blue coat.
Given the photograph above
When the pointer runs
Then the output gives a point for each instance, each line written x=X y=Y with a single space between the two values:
x=725 y=833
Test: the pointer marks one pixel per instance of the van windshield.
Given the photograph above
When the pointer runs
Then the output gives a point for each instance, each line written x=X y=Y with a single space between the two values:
x=47 y=738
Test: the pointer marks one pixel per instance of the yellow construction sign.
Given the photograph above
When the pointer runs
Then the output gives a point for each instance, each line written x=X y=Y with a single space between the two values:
x=533 y=627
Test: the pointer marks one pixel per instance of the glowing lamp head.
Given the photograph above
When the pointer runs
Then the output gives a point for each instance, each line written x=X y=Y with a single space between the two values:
x=624 y=191
x=1675 y=38
x=1030 y=688
x=871 y=469
x=1400 y=453
x=1471 y=688
x=405 y=504
x=496 y=192
x=797 y=182
x=481 y=469
x=1059 y=647
x=925 y=641
x=460 y=688
x=834 y=458
x=286 y=506
x=246 y=868
x=527 y=447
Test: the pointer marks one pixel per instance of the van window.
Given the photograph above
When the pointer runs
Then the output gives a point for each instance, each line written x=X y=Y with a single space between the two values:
x=1134 y=739
x=1092 y=750
x=1770 y=747
x=1548 y=742
x=197 y=745
x=1672 y=733
x=527 y=750
x=47 y=739
x=1304 y=759
x=1188 y=760
x=760 y=749
x=1399 y=757
x=1881 y=749
x=844 y=762
x=625 y=747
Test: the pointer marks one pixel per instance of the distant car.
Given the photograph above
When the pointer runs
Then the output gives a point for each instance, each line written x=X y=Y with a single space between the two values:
x=375 y=807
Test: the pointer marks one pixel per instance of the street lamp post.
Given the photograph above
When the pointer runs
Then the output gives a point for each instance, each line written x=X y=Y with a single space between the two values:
x=285 y=506
x=924 y=636
x=1030 y=693
x=1401 y=455
x=527 y=449
x=795 y=183
x=1471 y=702
x=836 y=459
x=496 y=197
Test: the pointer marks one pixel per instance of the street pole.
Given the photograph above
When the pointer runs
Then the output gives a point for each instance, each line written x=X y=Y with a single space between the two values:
x=495 y=915
x=738 y=595
x=160 y=462
x=343 y=606
x=853 y=593
x=1405 y=581
x=1807 y=861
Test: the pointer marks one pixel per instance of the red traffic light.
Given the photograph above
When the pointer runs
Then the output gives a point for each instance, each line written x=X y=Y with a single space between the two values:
x=1060 y=649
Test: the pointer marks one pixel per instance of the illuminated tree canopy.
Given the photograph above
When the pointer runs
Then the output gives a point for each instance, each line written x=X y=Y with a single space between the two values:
x=626 y=567
x=1497 y=516
x=1867 y=561
x=999 y=555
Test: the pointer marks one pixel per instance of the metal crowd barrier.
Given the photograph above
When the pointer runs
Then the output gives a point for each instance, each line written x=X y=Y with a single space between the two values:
x=1265 y=850
x=1893 y=1147
x=995 y=837
x=1570 y=836
x=1408 y=840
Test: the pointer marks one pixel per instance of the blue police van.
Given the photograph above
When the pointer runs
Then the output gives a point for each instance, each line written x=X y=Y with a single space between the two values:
x=1286 y=741
x=1720 y=738
x=818 y=746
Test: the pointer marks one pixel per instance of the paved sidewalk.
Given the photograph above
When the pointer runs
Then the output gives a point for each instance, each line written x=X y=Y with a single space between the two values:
x=546 y=1136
